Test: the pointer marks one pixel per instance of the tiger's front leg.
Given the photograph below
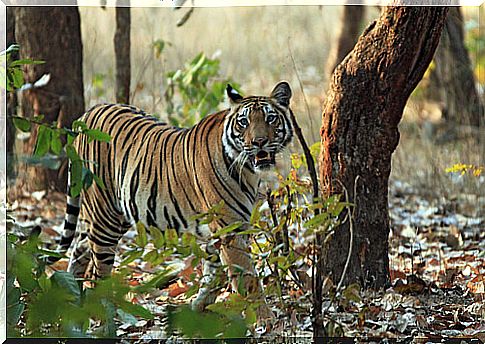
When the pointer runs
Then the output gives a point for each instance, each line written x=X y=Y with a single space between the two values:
x=208 y=287
x=235 y=253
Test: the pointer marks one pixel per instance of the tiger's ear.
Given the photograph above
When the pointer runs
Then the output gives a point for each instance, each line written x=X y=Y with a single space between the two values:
x=282 y=93
x=234 y=97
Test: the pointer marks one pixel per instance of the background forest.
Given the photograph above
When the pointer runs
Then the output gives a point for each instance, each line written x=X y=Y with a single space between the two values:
x=178 y=72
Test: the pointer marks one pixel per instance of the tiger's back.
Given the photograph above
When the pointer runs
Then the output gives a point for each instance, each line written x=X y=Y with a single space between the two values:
x=162 y=175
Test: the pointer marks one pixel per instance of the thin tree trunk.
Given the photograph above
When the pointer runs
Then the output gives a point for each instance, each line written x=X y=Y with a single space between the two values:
x=359 y=133
x=350 y=28
x=453 y=81
x=51 y=34
x=122 y=54
x=11 y=99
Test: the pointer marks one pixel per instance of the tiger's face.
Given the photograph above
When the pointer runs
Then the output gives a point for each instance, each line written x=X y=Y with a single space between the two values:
x=257 y=128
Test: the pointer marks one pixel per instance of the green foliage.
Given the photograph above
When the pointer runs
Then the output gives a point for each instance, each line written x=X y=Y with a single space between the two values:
x=12 y=76
x=475 y=44
x=56 y=305
x=50 y=138
x=207 y=325
x=200 y=89
x=97 y=82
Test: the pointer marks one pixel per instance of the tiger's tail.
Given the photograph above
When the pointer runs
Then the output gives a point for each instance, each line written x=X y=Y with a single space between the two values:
x=73 y=207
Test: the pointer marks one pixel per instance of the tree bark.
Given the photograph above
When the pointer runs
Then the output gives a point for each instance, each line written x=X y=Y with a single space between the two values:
x=51 y=34
x=452 y=79
x=122 y=54
x=11 y=99
x=349 y=33
x=359 y=133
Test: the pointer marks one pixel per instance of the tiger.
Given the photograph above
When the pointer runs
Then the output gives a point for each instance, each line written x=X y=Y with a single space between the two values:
x=164 y=176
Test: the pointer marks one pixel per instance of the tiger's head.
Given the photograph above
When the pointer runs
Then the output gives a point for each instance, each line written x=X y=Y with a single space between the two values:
x=258 y=127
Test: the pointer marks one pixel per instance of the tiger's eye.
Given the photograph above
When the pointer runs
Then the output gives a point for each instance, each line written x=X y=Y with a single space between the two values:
x=243 y=122
x=270 y=118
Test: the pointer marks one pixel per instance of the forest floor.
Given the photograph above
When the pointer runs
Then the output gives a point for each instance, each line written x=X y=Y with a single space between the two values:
x=437 y=261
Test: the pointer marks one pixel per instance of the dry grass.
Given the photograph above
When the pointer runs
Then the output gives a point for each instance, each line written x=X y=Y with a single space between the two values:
x=253 y=46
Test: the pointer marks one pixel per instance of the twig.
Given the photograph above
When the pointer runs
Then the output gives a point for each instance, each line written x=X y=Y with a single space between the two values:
x=308 y=156
x=185 y=17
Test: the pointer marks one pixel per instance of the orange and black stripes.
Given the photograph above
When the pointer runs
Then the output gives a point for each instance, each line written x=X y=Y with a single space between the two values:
x=163 y=176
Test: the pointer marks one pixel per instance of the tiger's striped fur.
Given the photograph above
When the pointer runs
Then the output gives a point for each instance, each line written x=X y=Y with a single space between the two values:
x=163 y=175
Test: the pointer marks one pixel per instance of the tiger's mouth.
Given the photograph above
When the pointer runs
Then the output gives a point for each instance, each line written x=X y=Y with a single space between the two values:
x=264 y=159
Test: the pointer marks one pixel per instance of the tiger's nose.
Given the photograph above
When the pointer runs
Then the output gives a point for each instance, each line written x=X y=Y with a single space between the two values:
x=259 y=142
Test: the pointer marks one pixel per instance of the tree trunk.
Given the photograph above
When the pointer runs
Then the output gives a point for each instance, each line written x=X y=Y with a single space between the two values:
x=51 y=34
x=11 y=99
x=122 y=54
x=453 y=81
x=349 y=33
x=359 y=133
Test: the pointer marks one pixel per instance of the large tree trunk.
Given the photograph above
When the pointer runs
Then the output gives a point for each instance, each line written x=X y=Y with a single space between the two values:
x=359 y=133
x=350 y=28
x=122 y=54
x=51 y=34
x=453 y=81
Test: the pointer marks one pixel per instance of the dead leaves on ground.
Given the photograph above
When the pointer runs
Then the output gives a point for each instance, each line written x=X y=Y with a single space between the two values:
x=437 y=269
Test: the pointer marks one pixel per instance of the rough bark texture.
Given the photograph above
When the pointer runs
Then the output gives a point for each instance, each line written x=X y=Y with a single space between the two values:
x=349 y=33
x=122 y=55
x=11 y=98
x=359 y=133
x=453 y=81
x=51 y=34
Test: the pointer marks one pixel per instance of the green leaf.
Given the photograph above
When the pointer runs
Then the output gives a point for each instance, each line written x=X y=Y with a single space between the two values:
x=18 y=78
x=228 y=229
x=14 y=312
x=79 y=125
x=15 y=306
x=171 y=237
x=76 y=177
x=44 y=282
x=131 y=256
x=151 y=256
x=196 y=325
x=256 y=214
x=160 y=279
x=56 y=144
x=43 y=141
x=96 y=134
x=87 y=178
x=157 y=237
x=71 y=153
x=316 y=221
x=136 y=310
x=67 y=281
x=99 y=182
x=21 y=124
x=110 y=327
x=25 y=62
x=141 y=239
